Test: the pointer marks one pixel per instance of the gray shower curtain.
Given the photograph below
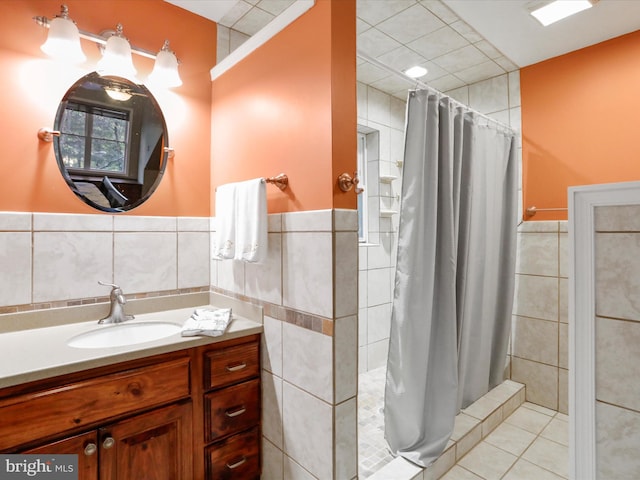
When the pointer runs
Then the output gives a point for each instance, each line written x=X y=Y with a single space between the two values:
x=455 y=272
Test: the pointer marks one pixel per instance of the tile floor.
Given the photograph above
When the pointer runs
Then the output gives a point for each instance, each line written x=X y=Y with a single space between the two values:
x=373 y=452
x=531 y=443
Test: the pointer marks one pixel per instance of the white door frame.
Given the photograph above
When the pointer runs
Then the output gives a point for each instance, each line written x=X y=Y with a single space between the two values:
x=582 y=316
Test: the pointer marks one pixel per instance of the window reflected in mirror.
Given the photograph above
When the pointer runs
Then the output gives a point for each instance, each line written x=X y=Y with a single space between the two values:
x=111 y=144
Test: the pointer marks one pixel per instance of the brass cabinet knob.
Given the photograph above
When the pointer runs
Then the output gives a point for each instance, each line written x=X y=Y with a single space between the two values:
x=90 y=449
x=108 y=443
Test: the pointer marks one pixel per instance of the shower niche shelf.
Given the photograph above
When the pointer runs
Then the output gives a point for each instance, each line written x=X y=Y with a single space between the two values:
x=387 y=213
x=387 y=178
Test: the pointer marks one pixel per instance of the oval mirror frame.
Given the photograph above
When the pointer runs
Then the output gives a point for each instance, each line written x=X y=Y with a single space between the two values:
x=111 y=148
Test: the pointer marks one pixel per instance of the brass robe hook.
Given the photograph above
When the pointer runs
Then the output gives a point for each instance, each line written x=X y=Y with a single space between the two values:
x=346 y=182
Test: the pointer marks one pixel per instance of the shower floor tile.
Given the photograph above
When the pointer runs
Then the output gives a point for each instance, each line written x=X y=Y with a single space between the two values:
x=373 y=452
x=531 y=443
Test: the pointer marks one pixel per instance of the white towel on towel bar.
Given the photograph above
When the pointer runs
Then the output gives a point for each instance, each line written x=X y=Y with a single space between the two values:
x=251 y=220
x=225 y=245
x=241 y=216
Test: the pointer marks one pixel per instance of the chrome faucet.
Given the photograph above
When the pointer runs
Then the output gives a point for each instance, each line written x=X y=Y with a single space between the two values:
x=116 y=315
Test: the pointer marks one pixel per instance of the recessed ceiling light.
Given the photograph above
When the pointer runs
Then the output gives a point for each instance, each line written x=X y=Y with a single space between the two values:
x=415 y=72
x=559 y=9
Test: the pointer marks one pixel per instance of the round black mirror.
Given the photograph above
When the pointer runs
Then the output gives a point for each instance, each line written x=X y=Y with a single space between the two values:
x=111 y=148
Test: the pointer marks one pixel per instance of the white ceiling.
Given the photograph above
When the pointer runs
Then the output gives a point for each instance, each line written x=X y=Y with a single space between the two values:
x=507 y=25
x=459 y=41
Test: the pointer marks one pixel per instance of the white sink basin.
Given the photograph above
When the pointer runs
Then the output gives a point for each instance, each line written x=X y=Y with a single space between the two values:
x=124 y=334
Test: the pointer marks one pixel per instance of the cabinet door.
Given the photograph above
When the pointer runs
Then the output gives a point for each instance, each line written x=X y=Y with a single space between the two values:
x=84 y=445
x=151 y=446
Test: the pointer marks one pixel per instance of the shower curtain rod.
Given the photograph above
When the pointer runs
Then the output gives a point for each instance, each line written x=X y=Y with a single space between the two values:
x=418 y=83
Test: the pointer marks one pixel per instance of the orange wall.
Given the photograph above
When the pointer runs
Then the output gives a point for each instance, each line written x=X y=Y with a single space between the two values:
x=579 y=122
x=290 y=107
x=32 y=86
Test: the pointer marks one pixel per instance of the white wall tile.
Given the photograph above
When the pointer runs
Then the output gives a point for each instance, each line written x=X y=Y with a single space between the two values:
x=145 y=261
x=15 y=221
x=230 y=275
x=514 y=88
x=618 y=437
x=345 y=220
x=345 y=335
x=308 y=431
x=618 y=362
x=619 y=218
x=264 y=280
x=362 y=327
x=346 y=274
x=71 y=222
x=490 y=95
x=379 y=107
x=378 y=286
x=377 y=354
x=346 y=446
x=272 y=408
x=362 y=100
x=272 y=460
x=307 y=272
x=293 y=471
x=272 y=345
x=68 y=265
x=312 y=221
x=15 y=274
x=541 y=381
x=144 y=224
x=537 y=254
x=618 y=275
x=536 y=297
x=378 y=323
x=535 y=340
x=305 y=351
x=193 y=259
x=193 y=224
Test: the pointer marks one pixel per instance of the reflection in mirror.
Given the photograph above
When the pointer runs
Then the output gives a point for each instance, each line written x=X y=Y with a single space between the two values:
x=111 y=144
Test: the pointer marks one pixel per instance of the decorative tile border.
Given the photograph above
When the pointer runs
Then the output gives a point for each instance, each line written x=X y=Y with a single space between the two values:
x=305 y=320
x=95 y=300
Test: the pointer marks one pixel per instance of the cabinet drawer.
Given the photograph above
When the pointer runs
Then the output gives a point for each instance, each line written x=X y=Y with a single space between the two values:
x=232 y=409
x=235 y=458
x=52 y=411
x=231 y=365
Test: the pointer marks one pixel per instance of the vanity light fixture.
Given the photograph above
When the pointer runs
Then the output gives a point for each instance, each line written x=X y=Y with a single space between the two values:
x=116 y=58
x=63 y=42
x=559 y=9
x=117 y=94
x=165 y=70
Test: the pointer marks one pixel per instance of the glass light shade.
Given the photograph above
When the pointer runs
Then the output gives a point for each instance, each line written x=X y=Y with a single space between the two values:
x=116 y=59
x=165 y=70
x=416 y=72
x=63 y=41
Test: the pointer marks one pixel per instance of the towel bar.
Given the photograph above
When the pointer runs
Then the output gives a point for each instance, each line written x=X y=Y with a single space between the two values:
x=281 y=181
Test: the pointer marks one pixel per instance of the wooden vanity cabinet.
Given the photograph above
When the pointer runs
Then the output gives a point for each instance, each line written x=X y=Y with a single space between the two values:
x=153 y=418
x=232 y=412
x=156 y=443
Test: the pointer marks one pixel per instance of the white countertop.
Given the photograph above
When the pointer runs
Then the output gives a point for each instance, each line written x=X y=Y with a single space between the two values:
x=38 y=353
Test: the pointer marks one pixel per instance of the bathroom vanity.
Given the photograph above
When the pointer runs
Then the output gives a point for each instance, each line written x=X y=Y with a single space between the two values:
x=177 y=408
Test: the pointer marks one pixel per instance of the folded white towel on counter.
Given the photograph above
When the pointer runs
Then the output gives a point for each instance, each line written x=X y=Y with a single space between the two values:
x=251 y=220
x=225 y=217
x=207 y=321
x=241 y=217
